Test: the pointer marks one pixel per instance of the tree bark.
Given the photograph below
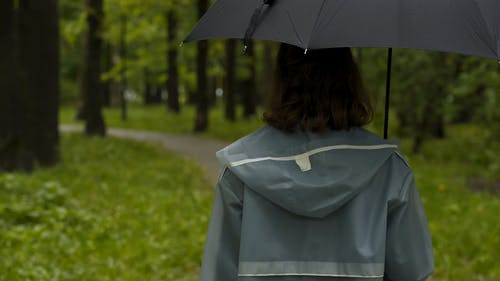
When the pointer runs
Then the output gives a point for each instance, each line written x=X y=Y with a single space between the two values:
x=8 y=87
x=172 y=54
x=39 y=39
x=201 y=120
x=15 y=149
x=230 y=81
x=91 y=86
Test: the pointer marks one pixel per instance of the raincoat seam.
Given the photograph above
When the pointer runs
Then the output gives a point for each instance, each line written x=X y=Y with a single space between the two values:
x=221 y=175
x=401 y=156
x=229 y=185
x=312 y=152
x=407 y=183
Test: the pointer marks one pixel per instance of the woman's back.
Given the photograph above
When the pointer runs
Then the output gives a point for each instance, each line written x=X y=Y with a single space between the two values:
x=306 y=206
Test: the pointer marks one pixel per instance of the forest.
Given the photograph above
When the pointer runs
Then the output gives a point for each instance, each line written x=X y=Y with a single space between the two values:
x=113 y=53
x=106 y=64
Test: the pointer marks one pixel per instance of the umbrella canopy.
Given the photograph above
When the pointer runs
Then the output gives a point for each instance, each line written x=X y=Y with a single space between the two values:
x=460 y=26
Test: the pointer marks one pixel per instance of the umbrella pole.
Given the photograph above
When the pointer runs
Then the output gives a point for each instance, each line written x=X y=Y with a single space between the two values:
x=387 y=91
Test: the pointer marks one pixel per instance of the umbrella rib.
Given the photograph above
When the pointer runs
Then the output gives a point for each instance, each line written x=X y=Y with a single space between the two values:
x=294 y=27
x=315 y=24
x=491 y=36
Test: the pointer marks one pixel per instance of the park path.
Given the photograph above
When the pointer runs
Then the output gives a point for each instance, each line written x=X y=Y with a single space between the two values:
x=201 y=150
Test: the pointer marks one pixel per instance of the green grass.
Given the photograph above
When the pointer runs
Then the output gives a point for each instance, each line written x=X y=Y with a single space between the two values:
x=112 y=210
x=464 y=224
x=156 y=118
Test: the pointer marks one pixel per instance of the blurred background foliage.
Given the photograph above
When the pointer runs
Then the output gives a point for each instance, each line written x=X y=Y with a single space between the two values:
x=430 y=89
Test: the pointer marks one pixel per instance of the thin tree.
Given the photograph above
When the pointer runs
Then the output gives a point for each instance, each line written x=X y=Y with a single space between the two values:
x=267 y=70
x=230 y=81
x=90 y=77
x=107 y=65
x=249 y=88
x=201 y=119
x=123 y=72
x=148 y=89
x=172 y=55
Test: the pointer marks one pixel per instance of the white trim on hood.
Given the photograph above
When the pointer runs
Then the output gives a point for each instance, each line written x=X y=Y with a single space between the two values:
x=302 y=158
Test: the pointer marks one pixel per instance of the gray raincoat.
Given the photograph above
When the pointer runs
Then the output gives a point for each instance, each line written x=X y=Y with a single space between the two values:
x=341 y=205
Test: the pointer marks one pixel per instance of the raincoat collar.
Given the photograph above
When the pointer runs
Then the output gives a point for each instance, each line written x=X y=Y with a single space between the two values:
x=308 y=174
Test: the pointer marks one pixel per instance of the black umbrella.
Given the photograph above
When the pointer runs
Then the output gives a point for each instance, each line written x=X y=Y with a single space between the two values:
x=459 y=26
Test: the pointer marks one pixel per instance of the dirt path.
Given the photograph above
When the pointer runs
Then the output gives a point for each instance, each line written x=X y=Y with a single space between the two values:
x=201 y=150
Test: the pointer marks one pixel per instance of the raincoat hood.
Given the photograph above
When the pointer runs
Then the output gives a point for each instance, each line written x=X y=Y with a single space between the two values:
x=308 y=174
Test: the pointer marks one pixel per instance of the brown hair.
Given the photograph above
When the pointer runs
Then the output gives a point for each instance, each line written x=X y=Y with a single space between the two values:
x=317 y=91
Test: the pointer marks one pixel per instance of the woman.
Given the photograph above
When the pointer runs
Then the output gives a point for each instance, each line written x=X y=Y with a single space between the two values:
x=313 y=196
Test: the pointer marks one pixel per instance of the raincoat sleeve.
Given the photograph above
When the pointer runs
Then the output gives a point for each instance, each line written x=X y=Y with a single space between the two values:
x=409 y=255
x=220 y=259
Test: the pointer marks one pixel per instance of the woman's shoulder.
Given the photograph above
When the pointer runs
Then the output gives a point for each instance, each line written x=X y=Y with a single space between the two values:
x=264 y=137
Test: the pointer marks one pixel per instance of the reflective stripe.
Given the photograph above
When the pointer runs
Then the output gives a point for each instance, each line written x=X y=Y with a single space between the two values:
x=300 y=268
x=312 y=152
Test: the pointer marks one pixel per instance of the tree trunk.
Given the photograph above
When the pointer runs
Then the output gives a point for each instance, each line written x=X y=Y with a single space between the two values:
x=201 y=120
x=267 y=71
x=39 y=38
x=108 y=65
x=230 y=81
x=15 y=149
x=90 y=84
x=173 y=73
x=148 y=89
x=158 y=94
x=212 y=92
x=9 y=138
x=434 y=117
x=123 y=74
x=249 y=88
